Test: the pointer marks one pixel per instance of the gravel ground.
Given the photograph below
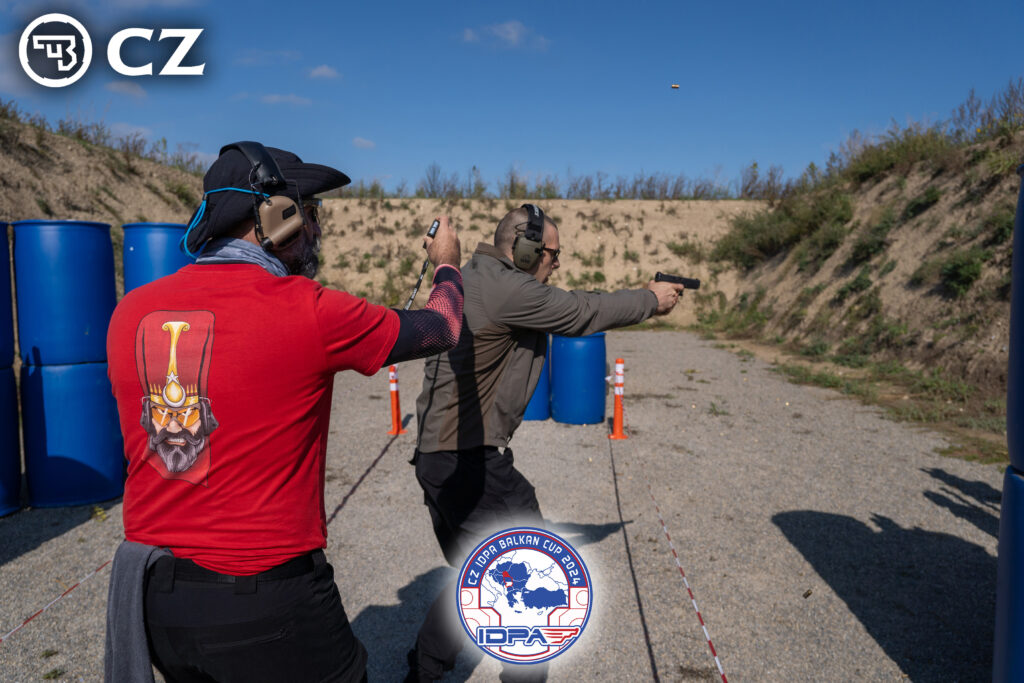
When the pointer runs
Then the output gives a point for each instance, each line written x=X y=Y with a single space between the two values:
x=821 y=541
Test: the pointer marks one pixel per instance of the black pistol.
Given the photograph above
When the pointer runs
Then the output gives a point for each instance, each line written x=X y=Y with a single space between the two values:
x=687 y=282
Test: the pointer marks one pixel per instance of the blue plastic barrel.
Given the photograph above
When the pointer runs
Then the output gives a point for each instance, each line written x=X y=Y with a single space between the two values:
x=64 y=274
x=1008 y=658
x=74 y=453
x=1015 y=377
x=6 y=316
x=151 y=252
x=577 y=379
x=10 y=453
x=539 y=407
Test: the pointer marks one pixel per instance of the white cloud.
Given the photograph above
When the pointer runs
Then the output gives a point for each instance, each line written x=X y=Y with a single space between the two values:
x=323 y=71
x=363 y=143
x=265 y=57
x=512 y=34
x=290 y=98
x=130 y=88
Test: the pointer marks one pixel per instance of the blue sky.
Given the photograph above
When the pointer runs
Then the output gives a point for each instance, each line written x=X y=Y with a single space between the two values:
x=381 y=90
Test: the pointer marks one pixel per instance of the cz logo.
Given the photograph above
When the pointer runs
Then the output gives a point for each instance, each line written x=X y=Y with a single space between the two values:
x=55 y=51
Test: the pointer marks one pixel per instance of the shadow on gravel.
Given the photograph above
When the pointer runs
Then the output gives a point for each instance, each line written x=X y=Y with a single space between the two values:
x=405 y=423
x=26 y=530
x=389 y=631
x=584 y=534
x=927 y=598
x=974 y=501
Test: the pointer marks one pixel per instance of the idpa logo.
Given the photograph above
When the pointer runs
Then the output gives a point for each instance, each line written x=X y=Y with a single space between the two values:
x=56 y=50
x=524 y=595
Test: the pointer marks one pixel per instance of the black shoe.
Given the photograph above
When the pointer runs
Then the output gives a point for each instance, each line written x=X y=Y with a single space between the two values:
x=413 y=675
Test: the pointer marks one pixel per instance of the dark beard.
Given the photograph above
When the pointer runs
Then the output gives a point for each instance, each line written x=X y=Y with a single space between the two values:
x=300 y=256
x=177 y=458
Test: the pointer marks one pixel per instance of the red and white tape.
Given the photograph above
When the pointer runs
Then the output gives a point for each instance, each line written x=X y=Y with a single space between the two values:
x=57 y=599
x=686 y=583
x=675 y=555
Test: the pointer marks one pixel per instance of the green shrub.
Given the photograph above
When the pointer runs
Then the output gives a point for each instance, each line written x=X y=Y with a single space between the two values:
x=406 y=266
x=898 y=150
x=881 y=334
x=594 y=260
x=937 y=385
x=808 y=294
x=816 y=349
x=961 y=269
x=687 y=249
x=857 y=284
x=926 y=273
x=921 y=203
x=998 y=225
x=867 y=306
x=746 y=318
x=816 y=249
x=754 y=238
x=631 y=256
x=183 y=192
x=872 y=241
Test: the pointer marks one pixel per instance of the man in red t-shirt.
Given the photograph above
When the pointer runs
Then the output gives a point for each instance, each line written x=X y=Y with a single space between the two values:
x=223 y=376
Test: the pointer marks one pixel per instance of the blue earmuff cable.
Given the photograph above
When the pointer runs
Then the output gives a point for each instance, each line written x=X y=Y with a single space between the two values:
x=183 y=244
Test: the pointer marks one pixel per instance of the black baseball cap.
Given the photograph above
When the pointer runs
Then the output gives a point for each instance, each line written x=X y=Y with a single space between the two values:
x=225 y=210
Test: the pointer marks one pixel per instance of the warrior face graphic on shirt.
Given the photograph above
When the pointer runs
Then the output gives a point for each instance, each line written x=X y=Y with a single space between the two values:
x=172 y=353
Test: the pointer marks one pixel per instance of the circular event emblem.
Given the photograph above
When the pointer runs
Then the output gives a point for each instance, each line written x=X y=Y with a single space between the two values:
x=524 y=595
x=55 y=50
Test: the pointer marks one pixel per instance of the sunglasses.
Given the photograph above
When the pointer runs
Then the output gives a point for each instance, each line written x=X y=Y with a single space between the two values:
x=312 y=208
x=185 y=417
x=554 y=253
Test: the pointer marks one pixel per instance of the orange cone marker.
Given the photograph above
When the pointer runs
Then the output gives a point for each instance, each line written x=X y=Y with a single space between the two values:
x=620 y=372
x=396 y=410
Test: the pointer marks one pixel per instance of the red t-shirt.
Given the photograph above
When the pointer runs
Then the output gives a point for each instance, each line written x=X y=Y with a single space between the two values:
x=223 y=377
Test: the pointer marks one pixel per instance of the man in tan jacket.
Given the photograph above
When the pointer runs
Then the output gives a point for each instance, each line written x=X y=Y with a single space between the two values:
x=474 y=397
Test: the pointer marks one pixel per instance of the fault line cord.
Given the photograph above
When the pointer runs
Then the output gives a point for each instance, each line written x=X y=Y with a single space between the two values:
x=55 y=600
x=675 y=554
x=632 y=571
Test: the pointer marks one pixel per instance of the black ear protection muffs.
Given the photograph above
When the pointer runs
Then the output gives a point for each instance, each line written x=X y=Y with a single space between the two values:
x=529 y=245
x=279 y=218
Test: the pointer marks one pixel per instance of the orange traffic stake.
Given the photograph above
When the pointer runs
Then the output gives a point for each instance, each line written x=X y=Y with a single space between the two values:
x=620 y=371
x=396 y=410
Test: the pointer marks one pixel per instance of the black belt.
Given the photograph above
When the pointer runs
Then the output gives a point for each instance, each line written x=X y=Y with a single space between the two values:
x=166 y=570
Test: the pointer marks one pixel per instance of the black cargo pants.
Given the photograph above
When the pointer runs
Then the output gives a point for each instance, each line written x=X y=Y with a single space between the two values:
x=470 y=494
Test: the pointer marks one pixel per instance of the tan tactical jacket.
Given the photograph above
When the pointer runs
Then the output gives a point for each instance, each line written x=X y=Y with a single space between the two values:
x=476 y=393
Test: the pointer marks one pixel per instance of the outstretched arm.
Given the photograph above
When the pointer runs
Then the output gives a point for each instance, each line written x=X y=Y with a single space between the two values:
x=436 y=327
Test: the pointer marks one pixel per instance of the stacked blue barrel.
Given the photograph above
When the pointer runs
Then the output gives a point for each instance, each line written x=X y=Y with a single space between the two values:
x=578 y=370
x=64 y=280
x=10 y=448
x=539 y=407
x=151 y=251
x=1008 y=660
